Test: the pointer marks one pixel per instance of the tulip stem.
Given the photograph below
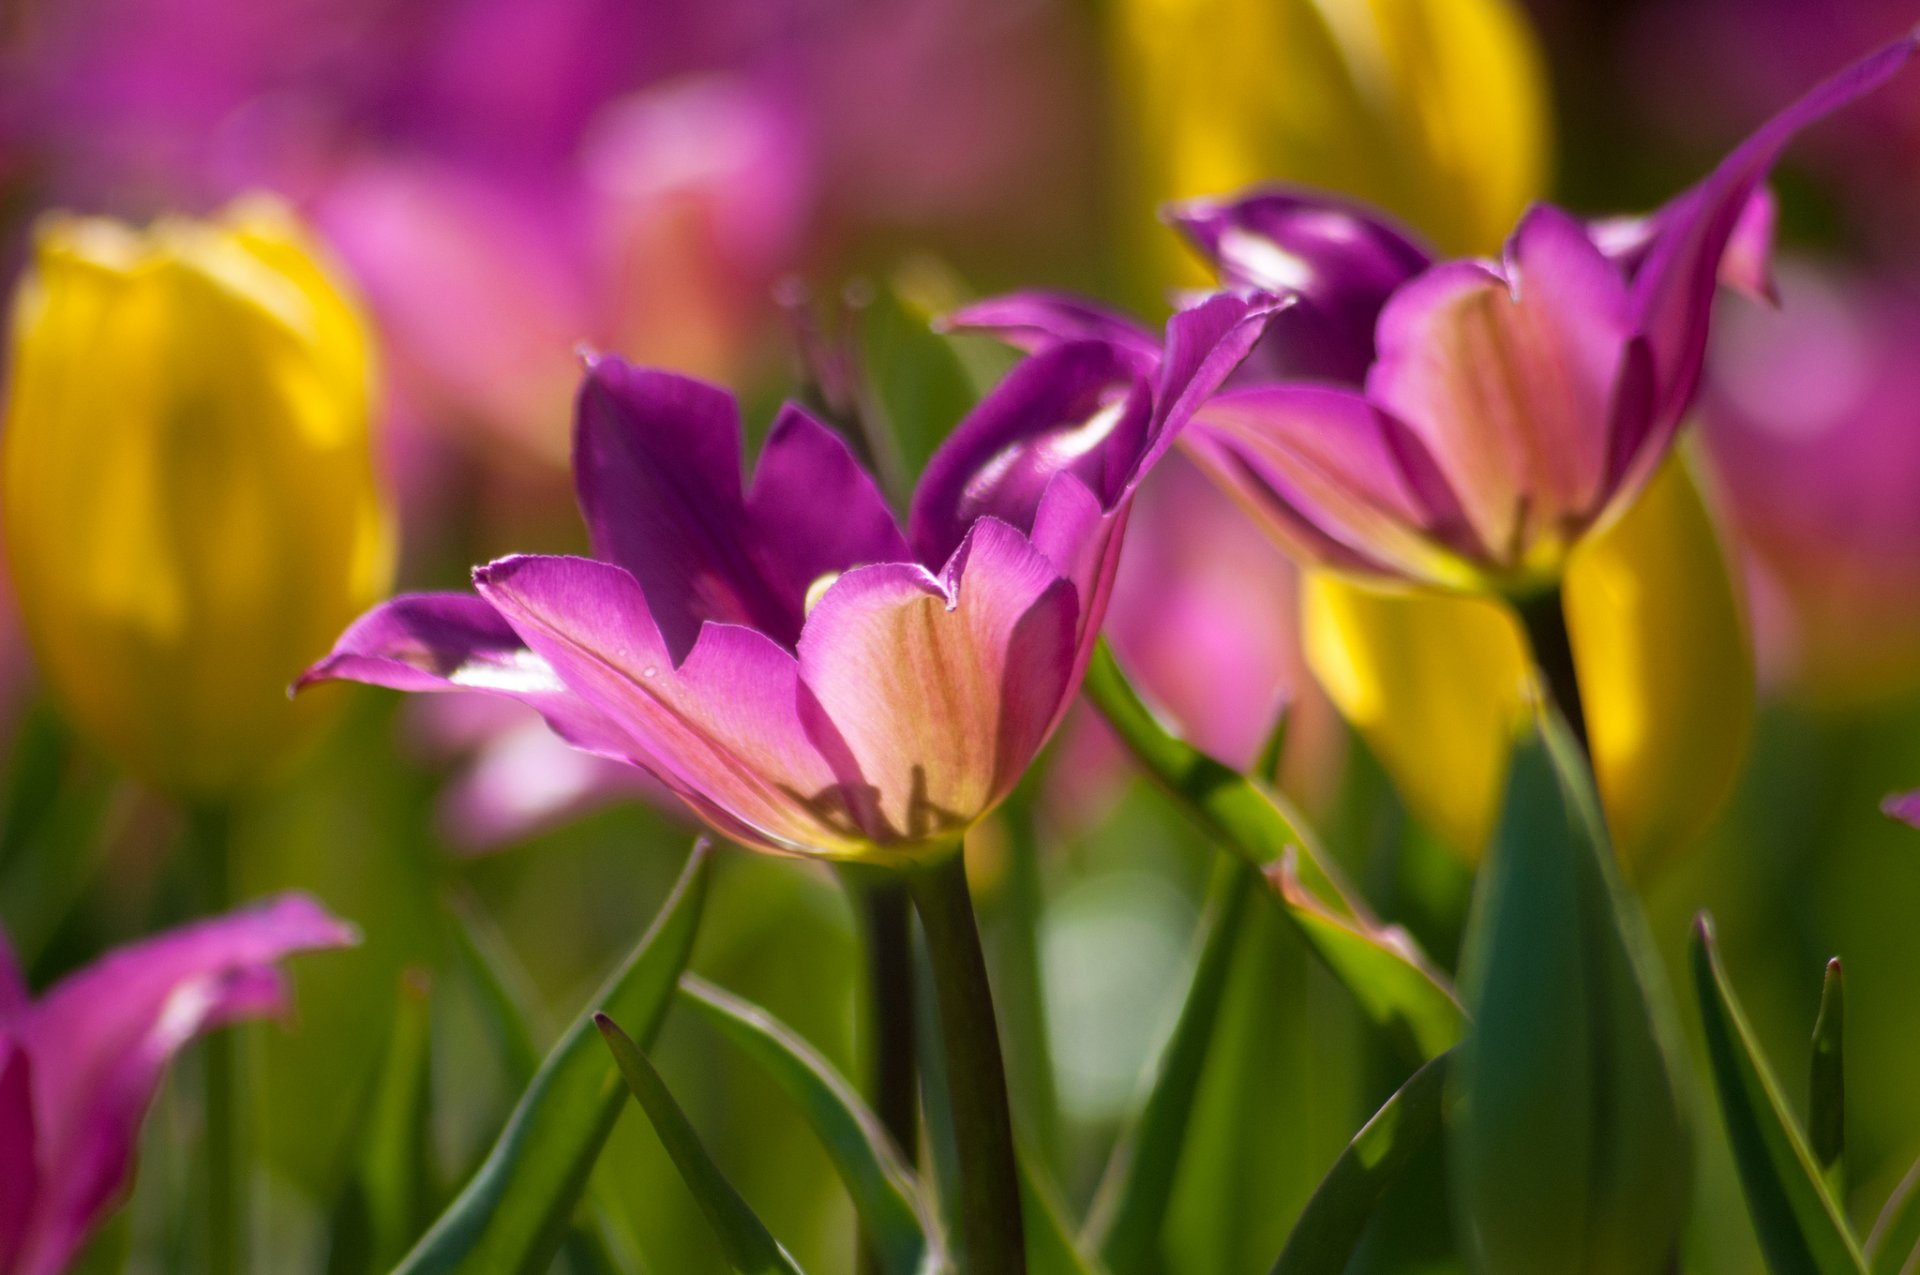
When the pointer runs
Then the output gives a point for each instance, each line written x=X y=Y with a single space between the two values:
x=992 y=1239
x=210 y=829
x=893 y=1061
x=1544 y=616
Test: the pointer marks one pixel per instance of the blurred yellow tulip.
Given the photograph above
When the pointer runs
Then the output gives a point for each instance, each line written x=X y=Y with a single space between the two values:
x=1433 y=109
x=192 y=512
x=1437 y=685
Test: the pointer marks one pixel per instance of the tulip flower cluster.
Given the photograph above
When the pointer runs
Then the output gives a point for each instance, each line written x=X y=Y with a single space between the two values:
x=1390 y=565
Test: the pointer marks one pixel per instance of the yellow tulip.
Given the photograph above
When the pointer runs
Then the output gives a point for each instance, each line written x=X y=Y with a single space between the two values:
x=1438 y=685
x=1433 y=109
x=192 y=512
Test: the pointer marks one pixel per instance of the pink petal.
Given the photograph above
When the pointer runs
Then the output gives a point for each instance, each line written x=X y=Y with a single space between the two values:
x=1510 y=382
x=728 y=729
x=21 y=1181
x=944 y=691
x=1333 y=479
x=100 y=1039
x=1039 y=320
x=1904 y=807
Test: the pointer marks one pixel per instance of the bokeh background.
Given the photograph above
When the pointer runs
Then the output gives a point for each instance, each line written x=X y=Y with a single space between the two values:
x=719 y=186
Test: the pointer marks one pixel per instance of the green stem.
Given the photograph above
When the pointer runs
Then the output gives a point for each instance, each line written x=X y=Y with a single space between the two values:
x=893 y=1064
x=1544 y=617
x=210 y=829
x=991 y=1235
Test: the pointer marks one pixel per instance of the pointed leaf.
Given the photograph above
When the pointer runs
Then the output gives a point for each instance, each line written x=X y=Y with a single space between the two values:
x=387 y=1200
x=512 y=1215
x=1571 y=1138
x=1329 y=1230
x=918 y=379
x=1800 y=1227
x=884 y=1190
x=1396 y=986
x=1826 y=1082
x=1130 y=1206
x=1051 y=1249
x=1895 y=1238
x=750 y=1248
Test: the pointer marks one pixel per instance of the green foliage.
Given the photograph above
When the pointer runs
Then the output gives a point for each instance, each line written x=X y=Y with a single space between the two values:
x=388 y=1196
x=1802 y=1229
x=1571 y=1153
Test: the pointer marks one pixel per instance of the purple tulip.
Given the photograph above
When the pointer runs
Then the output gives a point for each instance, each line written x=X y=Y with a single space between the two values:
x=79 y=1066
x=803 y=676
x=1500 y=410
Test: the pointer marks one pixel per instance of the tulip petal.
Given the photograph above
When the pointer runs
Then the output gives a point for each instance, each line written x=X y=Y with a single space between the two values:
x=1673 y=290
x=457 y=642
x=1074 y=408
x=657 y=463
x=945 y=689
x=1205 y=343
x=729 y=729
x=813 y=511
x=1038 y=320
x=1333 y=479
x=1340 y=259
x=1510 y=381
x=100 y=1039
x=21 y=1182
x=1904 y=807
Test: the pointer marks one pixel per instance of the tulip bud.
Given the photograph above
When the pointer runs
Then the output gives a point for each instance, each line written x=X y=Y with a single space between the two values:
x=191 y=507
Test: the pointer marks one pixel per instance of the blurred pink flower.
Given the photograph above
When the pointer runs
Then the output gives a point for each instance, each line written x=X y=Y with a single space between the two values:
x=80 y=1065
x=1811 y=415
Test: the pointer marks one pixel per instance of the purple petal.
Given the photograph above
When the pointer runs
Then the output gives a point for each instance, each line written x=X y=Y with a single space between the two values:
x=100 y=1040
x=21 y=1182
x=1340 y=259
x=1078 y=408
x=728 y=729
x=457 y=642
x=1673 y=290
x=814 y=511
x=1746 y=266
x=1205 y=343
x=1039 y=320
x=656 y=459
x=1510 y=382
x=1333 y=479
x=944 y=691
x=1904 y=807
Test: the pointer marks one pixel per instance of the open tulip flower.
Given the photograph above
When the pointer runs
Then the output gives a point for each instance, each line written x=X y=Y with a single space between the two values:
x=1509 y=407
x=79 y=1067
x=804 y=676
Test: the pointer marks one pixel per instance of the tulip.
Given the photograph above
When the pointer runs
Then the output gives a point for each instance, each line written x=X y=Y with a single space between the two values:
x=802 y=675
x=191 y=507
x=1513 y=407
x=80 y=1066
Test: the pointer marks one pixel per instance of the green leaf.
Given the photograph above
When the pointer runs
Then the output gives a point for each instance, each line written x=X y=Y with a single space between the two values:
x=1400 y=991
x=749 y=1247
x=918 y=380
x=1571 y=1137
x=1826 y=1080
x=884 y=1190
x=1130 y=1206
x=1895 y=1238
x=1330 y=1228
x=1802 y=1231
x=512 y=1215
x=387 y=1198
x=1051 y=1249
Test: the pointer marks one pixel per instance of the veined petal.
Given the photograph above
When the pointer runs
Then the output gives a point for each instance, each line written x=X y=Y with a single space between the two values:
x=100 y=1040
x=656 y=461
x=1077 y=407
x=813 y=511
x=727 y=728
x=1511 y=381
x=1673 y=289
x=1039 y=320
x=1332 y=476
x=945 y=690
x=457 y=642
